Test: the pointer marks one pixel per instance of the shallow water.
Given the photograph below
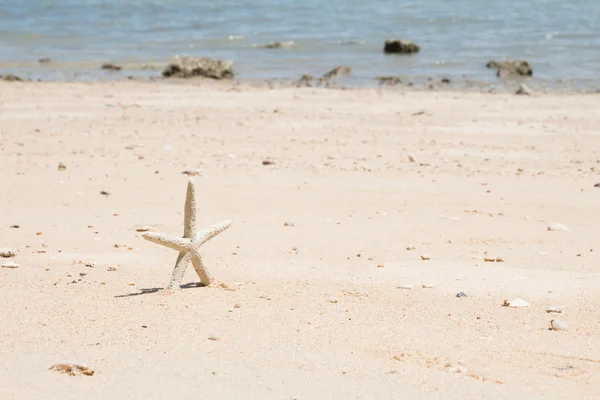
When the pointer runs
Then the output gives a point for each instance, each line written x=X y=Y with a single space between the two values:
x=561 y=39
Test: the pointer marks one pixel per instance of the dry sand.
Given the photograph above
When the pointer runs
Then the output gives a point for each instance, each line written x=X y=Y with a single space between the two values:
x=491 y=172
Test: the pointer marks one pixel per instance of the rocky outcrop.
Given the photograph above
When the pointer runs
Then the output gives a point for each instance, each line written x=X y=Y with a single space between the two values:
x=507 y=68
x=395 y=46
x=189 y=67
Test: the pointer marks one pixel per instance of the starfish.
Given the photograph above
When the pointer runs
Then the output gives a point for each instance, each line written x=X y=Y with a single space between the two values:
x=188 y=245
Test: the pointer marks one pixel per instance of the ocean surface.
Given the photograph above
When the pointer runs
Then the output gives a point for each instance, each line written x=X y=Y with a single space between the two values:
x=561 y=39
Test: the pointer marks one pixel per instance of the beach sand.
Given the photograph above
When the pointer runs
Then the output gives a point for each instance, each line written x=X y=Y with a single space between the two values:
x=310 y=311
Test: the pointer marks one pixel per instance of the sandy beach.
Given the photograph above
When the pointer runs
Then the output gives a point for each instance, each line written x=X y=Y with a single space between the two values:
x=321 y=290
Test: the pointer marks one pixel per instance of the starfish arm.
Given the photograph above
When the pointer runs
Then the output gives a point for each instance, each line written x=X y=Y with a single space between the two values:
x=189 y=225
x=179 y=244
x=180 y=266
x=206 y=234
x=201 y=270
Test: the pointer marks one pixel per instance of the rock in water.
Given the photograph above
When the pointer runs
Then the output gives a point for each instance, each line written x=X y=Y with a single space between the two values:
x=506 y=68
x=395 y=46
x=189 y=67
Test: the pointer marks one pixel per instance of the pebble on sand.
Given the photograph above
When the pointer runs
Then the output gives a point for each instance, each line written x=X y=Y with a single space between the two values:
x=72 y=369
x=427 y=285
x=515 y=303
x=7 y=253
x=553 y=309
x=557 y=227
x=10 y=264
x=333 y=300
x=425 y=257
x=410 y=247
x=61 y=167
x=557 y=325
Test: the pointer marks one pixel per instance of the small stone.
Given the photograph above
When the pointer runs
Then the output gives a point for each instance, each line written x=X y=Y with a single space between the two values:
x=41 y=251
x=62 y=167
x=143 y=229
x=15 y=226
x=461 y=294
x=412 y=158
x=427 y=285
x=557 y=325
x=405 y=287
x=192 y=172
x=10 y=264
x=237 y=305
x=39 y=233
x=425 y=257
x=333 y=300
x=515 y=303
x=90 y=265
x=72 y=369
x=395 y=46
x=111 y=269
x=110 y=67
x=558 y=227
x=554 y=309
x=290 y=224
x=597 y=185
x=524 y=90
x=213 y=337
x=105 y=193
x=411 y=247
x=7 y=253
x=380 y=266
x=268 y=162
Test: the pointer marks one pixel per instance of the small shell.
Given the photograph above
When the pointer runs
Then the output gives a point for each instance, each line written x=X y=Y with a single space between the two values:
x=558 y=227
x=516 y=303
x=405 y=287
x=10 y=264
x=425 y=257
x=6 y=253
x=410 y=247
x=557 y=325
x=427 y=285
x=412 y=158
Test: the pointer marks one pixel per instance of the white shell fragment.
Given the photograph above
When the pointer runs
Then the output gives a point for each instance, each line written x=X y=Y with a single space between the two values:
x=516 y=303
x=405 y=287
x=10 y=264
x=557 y=325
x=6 y=253
x=558 y=227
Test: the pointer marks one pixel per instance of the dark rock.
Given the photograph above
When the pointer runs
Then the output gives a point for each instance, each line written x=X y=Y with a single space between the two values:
x=188 y=67
x=10 y=78
x=111 y=67
x=44 y=60
x=506 y=68
x=305 y=80
x=279 y=45
x=446 y=80
x=389 y=80
x=333 y=75
x=394 y=46
x=268 y=162
x=461 y=294
x=597 y=185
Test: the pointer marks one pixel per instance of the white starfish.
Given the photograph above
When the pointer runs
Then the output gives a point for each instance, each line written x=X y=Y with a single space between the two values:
x=189 y=244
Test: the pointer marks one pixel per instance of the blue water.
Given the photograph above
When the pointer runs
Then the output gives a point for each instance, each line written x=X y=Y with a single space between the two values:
x=561 y=39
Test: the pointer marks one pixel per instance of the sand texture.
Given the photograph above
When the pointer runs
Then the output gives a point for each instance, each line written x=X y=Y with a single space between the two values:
x=358 y=216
